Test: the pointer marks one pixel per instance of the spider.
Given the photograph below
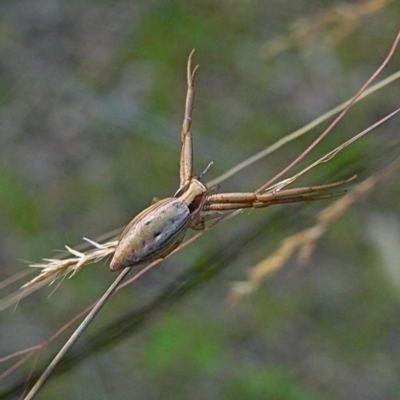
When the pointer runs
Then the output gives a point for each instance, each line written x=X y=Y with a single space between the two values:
x=159 y=229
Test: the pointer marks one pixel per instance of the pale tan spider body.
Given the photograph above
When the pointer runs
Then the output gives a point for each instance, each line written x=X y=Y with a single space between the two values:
x=160 y=228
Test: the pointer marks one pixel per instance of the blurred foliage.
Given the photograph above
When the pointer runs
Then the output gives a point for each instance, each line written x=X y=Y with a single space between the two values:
x=91 y=103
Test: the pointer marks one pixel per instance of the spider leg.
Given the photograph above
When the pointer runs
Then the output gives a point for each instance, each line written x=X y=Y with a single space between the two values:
x=235 y=201
x=261 y=202
x=186 y=162
x=310 y=189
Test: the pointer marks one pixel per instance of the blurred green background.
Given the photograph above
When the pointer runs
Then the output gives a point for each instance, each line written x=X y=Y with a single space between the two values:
x=91 y=103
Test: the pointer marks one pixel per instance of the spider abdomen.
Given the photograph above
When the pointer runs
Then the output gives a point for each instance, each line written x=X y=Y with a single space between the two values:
x=152 y=234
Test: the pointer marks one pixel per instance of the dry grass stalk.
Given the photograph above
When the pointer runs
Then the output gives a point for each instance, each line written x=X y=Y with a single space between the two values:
x=53 y=268
x=304 y=242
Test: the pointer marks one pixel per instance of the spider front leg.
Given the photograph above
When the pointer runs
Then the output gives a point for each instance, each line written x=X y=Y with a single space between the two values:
x=186 y=162
x=237 y=201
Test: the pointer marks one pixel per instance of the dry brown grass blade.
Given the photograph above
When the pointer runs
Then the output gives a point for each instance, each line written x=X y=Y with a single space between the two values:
x=304 y=242
x=77 y=333
x=338 y=118
x=328 y=156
